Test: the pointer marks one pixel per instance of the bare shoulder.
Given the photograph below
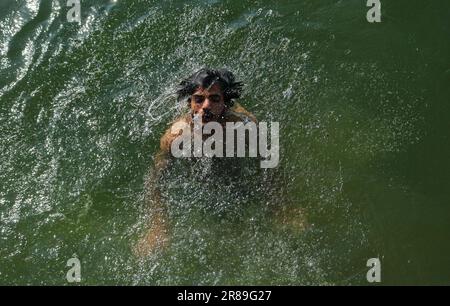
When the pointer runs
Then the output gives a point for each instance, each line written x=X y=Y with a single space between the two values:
x=239 y=113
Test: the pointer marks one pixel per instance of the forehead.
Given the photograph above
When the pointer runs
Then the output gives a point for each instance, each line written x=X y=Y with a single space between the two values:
x=215 y=89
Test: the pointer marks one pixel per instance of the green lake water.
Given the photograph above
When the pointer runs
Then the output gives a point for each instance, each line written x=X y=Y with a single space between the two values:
x=364 y=112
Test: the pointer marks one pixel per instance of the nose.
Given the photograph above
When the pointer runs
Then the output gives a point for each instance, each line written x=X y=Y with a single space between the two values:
x=206 y=104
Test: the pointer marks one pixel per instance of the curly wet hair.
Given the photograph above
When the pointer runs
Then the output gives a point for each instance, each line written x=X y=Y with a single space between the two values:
x=206 y=78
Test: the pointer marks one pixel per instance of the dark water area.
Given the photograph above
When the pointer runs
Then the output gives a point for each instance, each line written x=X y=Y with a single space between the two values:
x=364 y=141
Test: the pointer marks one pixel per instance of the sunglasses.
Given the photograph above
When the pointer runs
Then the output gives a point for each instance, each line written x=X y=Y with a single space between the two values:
x=213 y=98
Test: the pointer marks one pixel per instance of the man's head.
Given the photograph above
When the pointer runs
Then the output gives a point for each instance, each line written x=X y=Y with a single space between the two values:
x=209 y=92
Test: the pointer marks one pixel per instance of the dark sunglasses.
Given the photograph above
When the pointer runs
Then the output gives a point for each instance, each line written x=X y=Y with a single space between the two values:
x=200 y=99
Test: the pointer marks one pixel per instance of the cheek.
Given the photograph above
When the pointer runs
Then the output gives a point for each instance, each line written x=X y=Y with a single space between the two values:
x=194 y=106
x=219 y=108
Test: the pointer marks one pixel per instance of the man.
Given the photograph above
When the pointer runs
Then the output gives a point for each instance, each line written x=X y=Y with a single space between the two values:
x=210 y=95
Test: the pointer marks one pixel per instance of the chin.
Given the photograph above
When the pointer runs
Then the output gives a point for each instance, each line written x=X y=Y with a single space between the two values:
x=209 y=119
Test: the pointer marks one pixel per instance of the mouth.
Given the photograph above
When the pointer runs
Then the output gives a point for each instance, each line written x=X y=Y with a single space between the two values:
x=207 y=116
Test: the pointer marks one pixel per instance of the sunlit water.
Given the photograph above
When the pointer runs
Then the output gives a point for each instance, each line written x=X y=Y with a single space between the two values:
x=364 y=125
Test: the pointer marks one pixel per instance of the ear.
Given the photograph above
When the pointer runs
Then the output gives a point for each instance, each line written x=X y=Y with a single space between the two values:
x=229 y=103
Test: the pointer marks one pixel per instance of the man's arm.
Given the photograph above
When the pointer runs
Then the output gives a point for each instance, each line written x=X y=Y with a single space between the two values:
x=157 y=235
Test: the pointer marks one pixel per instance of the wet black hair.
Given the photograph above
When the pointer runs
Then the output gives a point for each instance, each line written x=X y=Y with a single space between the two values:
x=206 y=78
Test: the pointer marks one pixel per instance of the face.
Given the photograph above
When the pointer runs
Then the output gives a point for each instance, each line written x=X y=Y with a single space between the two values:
x=208 y=103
